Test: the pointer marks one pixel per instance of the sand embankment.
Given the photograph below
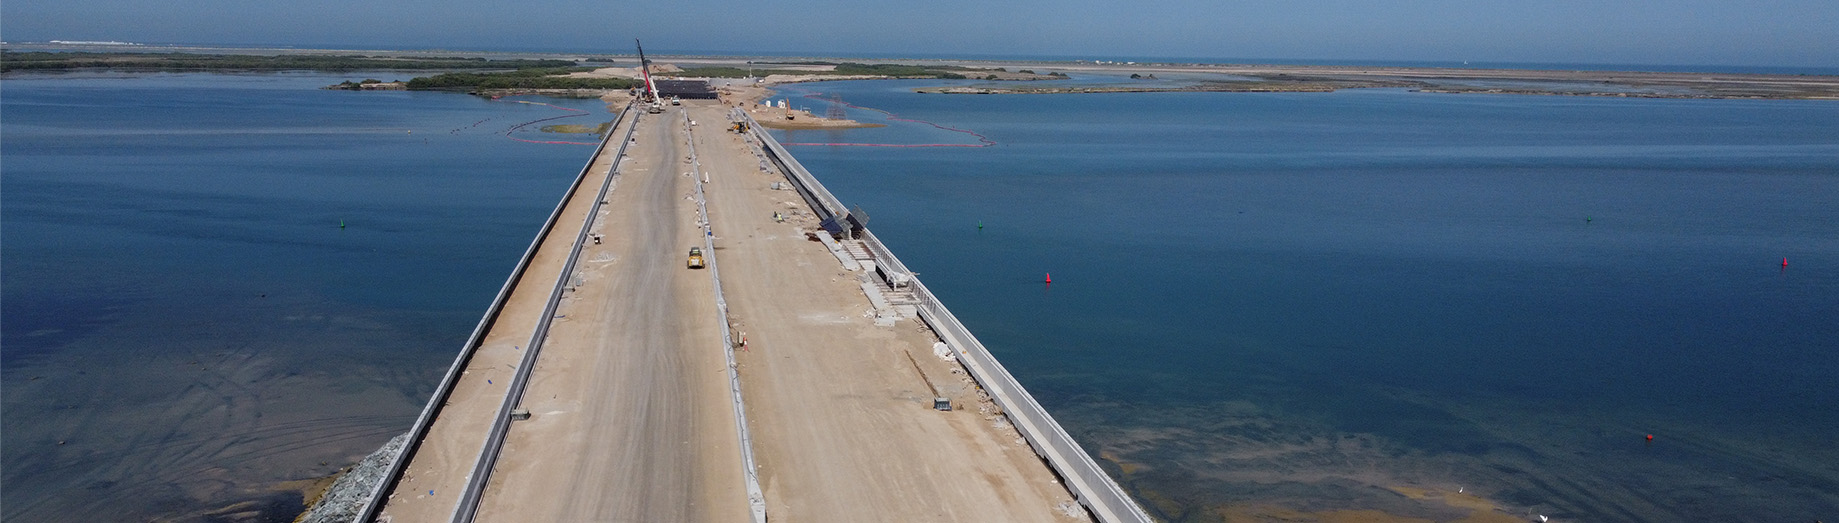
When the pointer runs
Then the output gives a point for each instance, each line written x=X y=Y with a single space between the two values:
x=746 y=96
x=624 y=72
x=754 y=99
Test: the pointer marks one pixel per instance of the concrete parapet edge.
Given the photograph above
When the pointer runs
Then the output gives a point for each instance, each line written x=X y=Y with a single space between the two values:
x=756 y=498
x=1095 y=489
x=476 y=482
x=444 y=389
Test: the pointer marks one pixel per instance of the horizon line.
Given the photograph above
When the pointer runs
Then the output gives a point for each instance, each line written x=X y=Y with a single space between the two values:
x=981 y=57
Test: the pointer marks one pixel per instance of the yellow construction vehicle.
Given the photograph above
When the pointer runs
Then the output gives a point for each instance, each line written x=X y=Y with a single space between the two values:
x=695 y=257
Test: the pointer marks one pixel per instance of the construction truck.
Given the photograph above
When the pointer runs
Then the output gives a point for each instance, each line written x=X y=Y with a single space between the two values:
x=695 y=258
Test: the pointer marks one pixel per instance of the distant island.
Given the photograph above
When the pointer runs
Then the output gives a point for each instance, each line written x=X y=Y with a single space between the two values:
x=1316 y=79
x=590 y=74
x=906 y=71
x=180 y=62
x=529 y=78
x=589 y=81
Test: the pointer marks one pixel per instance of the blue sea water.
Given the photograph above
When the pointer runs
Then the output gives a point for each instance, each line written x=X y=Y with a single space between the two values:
x=1261 y=300
x=214 y=283
x=1310 y=299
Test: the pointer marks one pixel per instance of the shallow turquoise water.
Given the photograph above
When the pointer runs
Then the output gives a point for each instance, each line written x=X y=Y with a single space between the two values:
x=186 y=322
x=1303 y=298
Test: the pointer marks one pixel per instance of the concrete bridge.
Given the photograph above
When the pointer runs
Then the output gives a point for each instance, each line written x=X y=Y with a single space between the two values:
x=796 y=377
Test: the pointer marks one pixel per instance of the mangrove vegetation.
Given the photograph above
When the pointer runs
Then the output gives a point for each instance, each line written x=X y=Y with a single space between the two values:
x=530 y=78
x=62 y=61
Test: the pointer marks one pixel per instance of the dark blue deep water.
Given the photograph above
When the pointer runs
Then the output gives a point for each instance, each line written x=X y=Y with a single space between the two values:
x=185 y=321
x=1308 y=300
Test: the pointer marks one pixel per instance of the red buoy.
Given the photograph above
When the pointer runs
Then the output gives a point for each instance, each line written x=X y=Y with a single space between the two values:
x=1650 y=437
x=1050 y=277
x=1784 y=262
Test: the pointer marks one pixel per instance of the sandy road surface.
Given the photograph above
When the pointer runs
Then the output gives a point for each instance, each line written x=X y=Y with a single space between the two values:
x=840 y=416
x=436 y=476
x=631 y=420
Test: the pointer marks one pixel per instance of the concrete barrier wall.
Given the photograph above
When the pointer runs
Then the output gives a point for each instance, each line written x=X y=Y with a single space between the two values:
x=756 y=498
x=1090 y=484
x=419 y=430
x=501 y=425
x=815 y=194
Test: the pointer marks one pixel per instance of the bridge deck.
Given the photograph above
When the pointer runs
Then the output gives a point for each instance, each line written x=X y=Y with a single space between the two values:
x=630 y=414
x=842 y=421
x=432 y=482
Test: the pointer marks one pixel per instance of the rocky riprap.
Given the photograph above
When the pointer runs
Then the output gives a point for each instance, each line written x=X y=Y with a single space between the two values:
x=348 y=494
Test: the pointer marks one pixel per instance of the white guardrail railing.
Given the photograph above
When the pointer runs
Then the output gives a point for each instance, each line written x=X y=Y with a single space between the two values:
x=419 y=431
x=756 y=499
x=1088 y=483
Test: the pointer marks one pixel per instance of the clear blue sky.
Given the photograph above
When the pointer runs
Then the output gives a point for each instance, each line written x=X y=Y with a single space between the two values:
x=1686 y=32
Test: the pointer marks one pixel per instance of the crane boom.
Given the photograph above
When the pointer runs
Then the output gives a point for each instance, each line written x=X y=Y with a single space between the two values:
x=645 y=69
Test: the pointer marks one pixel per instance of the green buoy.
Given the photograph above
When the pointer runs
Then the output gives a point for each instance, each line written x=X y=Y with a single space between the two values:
x=341 y=223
